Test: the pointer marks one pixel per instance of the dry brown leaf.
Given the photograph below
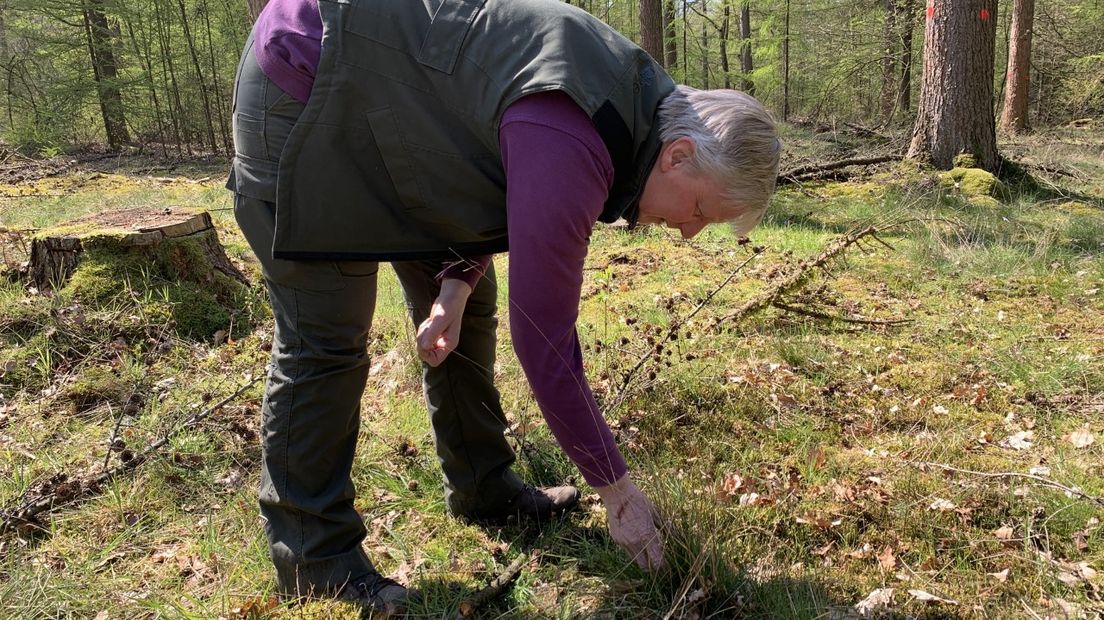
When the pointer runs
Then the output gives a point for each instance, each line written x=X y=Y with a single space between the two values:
x=886 y=559
x=927 y=597
x=1081 y=439
x=942 y=505
x=876 y=600
x=1003 y=533
x=1001 y=576
x=1019 y=441
x=732 y=484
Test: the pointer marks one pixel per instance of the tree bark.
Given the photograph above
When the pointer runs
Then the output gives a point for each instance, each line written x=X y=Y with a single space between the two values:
x=104 y=70
x=669 y=40
x=955 y=114
x=651 y=28
x=889 y=61
x=786 y=64
x=1014 y=115
x=724 y=44
x=905 y=20
x=255 y=8
x=745 y=49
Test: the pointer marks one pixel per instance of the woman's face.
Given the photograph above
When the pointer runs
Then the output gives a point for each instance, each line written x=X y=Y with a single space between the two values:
x=675 y=196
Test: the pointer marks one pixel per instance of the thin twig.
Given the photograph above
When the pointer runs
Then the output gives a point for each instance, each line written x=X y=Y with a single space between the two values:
x=798 y=276
x=677 y=325
x=844 y=319
x=27 y=514
x=493 y=590
x=1013 y=474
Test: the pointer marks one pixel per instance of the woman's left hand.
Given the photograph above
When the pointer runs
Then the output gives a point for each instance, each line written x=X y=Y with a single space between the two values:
x=439 y=334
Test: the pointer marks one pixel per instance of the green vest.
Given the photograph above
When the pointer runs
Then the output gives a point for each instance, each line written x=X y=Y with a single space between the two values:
x=396 y=153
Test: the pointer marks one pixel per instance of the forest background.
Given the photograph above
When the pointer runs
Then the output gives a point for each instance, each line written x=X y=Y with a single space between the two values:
x=887 y=404
x=159 y=73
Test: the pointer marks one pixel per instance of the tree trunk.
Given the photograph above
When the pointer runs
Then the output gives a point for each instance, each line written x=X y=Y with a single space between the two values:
x=104 y=70
x=905 y=20
x=669 y=40
x=889 y=61
x=199 y=75
x=724 y=44
x=705 y=48
x=745 y=49
x=255 y=8
x=786 y=64
x=651 y=28
x=1014 y=116
x=955 y=114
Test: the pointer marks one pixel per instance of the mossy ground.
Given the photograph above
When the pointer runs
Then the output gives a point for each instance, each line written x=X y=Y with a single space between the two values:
x=799 y=459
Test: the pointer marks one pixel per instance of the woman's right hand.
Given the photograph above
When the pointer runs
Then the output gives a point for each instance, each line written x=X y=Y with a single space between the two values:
x=632 y=522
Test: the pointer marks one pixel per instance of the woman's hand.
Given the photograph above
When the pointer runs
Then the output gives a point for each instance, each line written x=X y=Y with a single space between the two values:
x=632 y=522
x=439 y=334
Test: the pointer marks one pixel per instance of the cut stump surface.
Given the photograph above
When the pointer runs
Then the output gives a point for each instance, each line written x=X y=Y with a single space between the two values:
x=56 y=252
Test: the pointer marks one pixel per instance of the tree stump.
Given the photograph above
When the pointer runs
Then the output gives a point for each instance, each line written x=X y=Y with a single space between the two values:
x=56 y=252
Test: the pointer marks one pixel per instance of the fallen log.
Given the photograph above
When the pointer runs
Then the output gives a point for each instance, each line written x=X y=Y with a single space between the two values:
x=805 y=173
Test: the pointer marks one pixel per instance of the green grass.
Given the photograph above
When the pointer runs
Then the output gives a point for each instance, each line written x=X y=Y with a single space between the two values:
x=792 y=456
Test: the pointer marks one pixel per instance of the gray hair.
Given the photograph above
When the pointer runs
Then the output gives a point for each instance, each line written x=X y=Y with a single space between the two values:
x=736 y=143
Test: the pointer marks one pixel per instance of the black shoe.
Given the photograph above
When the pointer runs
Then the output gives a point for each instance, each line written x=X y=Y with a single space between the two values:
x=537 y=504
x=379 y=596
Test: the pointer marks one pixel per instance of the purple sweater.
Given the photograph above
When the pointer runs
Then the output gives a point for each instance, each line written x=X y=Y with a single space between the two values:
x=545 y=138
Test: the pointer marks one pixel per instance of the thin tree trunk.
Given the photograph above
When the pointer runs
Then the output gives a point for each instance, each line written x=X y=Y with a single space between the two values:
x=786 y=64
x=724 y=44
x=147 y=68
x=255 y=8
x=199 y=75
x=955 y=114
x=745 y=49
x=104 y=70
x=905 y=21
x=705 y=49
x=1014 y=116
x=670 y=42
x=168 y=69
x=890 y=40
x=651 y=28
x=220 y=101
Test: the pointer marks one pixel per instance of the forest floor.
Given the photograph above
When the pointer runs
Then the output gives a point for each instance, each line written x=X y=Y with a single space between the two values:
x=817 y=461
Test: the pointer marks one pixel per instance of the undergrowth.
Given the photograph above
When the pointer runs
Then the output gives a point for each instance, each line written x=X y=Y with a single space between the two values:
x=802 y=463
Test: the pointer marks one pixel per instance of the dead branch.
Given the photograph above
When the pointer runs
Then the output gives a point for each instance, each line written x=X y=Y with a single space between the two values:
x=843 y=319
x=801 y=273
x=81 y=488
x=493 y=590
x=1012 y=474
x=677 y=325
x=804 y=173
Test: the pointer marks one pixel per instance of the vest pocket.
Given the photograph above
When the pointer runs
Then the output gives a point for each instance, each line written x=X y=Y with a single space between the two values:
x=447 y=33
x=388 y=139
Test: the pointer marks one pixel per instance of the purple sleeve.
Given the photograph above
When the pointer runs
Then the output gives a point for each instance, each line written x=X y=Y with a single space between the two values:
x=469 y=269
x=558 y=175
x=288 y=42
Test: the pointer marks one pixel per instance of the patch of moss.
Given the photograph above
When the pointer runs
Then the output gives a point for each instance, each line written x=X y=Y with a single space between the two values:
x=197 y=313
x=97 y=384
x=979 y=187
x=964 y=160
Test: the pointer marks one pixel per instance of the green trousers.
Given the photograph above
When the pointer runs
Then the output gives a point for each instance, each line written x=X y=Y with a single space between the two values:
x=311 y=409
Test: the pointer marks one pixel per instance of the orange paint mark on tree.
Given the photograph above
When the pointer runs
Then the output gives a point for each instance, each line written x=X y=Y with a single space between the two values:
x=931 y=11
x=984 y=14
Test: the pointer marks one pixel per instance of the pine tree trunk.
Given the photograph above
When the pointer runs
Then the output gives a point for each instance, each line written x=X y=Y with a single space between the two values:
x=669 y=39
x=255 y=8
x=651 y=28
x=786 y=65
x=905 y=20
x=104 y=71
x=724 y=44
x=955 y=114
x=889 y=61
x=1014 y=116
x=745 y=49
x=199 y=75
